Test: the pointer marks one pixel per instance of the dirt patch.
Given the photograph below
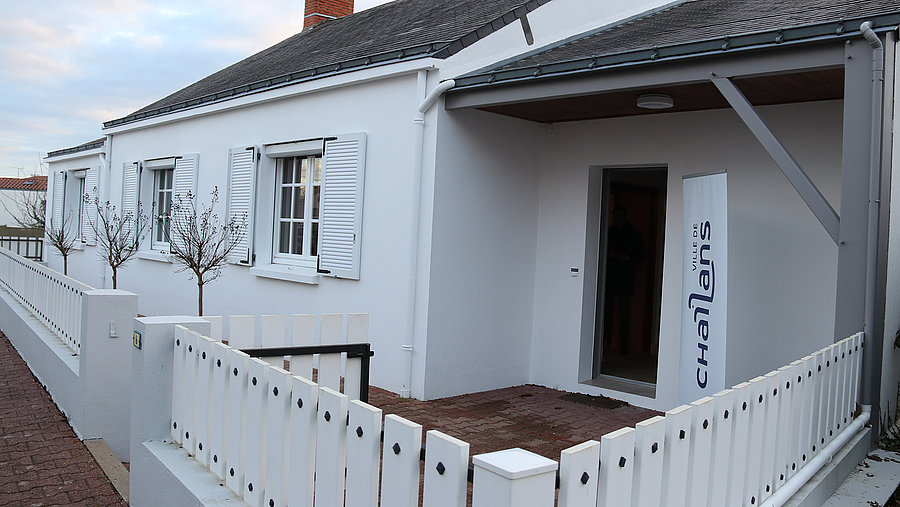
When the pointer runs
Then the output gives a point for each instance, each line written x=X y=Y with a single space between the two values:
x=593 y=401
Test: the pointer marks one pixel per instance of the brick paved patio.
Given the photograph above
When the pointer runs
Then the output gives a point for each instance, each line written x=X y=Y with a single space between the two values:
x=541 y=420
x=42 y=462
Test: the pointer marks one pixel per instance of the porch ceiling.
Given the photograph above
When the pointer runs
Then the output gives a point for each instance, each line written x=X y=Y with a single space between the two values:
x=808 y=86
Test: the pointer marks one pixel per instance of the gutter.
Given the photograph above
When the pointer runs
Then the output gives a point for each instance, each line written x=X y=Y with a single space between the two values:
x=822 y=32
x=803 y=476
x=425 y=103
x=872 y=359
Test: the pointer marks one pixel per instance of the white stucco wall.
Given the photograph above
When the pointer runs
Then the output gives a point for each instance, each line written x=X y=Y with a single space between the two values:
x=890 y=374
x=781 y=280
x=483 y=253
x=8 y=207
x=384 y=110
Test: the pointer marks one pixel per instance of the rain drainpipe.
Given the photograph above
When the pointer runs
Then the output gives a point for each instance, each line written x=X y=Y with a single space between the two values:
x=106 y=159
x=419 y=121
x=793 y=485
x=871 y=382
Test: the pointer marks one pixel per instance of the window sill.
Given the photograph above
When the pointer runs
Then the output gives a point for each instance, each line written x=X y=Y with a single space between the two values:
x=79 y=245
x=286 y=273
x=153 y=255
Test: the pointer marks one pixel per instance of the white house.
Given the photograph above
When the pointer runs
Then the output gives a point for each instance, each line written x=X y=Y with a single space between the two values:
x=15 y=192
x=453 y=169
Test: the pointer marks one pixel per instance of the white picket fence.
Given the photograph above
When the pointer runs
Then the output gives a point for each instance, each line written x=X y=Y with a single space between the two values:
x=54 y=298
x=276 y=438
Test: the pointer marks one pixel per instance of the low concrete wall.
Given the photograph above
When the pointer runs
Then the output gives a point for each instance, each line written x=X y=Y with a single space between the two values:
x=51 y=361
x=92 y=388
x=830 y=477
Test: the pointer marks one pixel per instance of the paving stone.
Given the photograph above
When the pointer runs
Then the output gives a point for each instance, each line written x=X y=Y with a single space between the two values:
x=42 y=462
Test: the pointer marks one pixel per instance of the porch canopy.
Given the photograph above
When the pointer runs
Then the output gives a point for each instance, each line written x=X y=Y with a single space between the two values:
x=713 y=54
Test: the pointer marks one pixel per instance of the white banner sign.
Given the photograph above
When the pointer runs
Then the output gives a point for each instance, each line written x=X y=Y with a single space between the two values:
x=704 y=286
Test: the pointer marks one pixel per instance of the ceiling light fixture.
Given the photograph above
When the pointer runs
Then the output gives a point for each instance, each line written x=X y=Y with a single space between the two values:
x=655 y=101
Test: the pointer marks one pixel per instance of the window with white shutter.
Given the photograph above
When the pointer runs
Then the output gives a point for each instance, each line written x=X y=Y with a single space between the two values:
x=341 y=205
x=184 y=184
x=59 y=188
x=130 y=181
x=241 y=199
x=89 y=206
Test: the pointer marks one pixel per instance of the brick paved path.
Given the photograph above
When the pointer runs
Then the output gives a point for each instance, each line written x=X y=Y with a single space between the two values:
x=42 y=462
x=535 y=418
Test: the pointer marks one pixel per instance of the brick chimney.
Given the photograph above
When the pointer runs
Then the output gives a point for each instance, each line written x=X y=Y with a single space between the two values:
x=318 y=11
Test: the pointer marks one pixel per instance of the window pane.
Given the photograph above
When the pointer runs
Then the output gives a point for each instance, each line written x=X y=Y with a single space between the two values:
x=314 y=245
x=286 y=202
x=317 y=170
x=170 y=173
x=300 y=177
x=299 y=201
x=287 y=169
x=297 y=247
x=284 y=242
x=317 y=191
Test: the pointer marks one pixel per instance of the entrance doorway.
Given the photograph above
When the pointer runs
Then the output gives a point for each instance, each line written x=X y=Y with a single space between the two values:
x=629 y=282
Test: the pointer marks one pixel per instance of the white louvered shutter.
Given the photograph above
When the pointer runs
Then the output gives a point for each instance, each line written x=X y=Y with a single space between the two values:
x=91 y=180
x=130 y=179
x=241 y=197
x=59 y=188
x=344 y=163
x=184 y=183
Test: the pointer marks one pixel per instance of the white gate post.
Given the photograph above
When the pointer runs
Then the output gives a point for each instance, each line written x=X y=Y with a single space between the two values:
x=151 y=386
x=105 y=366
x=513 y=478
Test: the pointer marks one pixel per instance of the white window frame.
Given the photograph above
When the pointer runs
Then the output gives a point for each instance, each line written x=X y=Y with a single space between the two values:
x=81 y=208
x=304 y=259
x=157 y=171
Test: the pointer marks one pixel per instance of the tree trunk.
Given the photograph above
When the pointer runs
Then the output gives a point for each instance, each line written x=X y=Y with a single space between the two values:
x=199 y=299
x=66 y=265
x=114 y=278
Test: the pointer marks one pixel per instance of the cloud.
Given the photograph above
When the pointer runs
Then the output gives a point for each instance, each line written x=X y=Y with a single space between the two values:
x=65 y=67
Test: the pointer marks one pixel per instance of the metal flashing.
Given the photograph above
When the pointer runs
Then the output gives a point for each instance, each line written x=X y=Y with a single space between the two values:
x=820 y=32
x=91 y=145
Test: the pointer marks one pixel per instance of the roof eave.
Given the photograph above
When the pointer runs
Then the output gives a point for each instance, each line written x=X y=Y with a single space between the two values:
x=806 y=34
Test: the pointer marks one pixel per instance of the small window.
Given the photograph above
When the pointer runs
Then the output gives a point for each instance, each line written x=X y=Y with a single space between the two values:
x=162 y=203
x=298 y=190
x=81 y=209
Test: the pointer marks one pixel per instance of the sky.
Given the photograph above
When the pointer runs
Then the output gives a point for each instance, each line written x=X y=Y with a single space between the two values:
x=67 y=66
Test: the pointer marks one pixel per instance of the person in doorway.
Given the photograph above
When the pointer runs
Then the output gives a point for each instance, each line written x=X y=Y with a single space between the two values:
x=625 y=249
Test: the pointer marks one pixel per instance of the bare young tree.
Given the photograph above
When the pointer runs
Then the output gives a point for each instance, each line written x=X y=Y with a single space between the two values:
x=118 y=234
x=62 y=237
x=30 y=208
x=199 y=242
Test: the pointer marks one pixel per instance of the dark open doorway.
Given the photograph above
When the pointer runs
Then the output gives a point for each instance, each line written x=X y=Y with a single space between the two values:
x=629 y=284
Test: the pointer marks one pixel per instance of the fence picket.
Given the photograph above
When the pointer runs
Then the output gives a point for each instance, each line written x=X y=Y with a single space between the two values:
x=303 y=333
x=331 y=448
x=363 y=448
x=241 y=332
x=649 y=456
x=805 y=423
x=189 y=400
x=843 y=415
x=782 y=429
x=856 y=367
x=272 y=335
x=820 y=401
x=178 y=385
x=330 y=364
x=204 y=377
x=302 y=454
x=768 y=474
x=255 y=432
x=702 y=421
x=579 y=474
x=616 y=467
x=722 y=441
x=218 y=416
x=446 y=468
x=677 y=452
x=757 y=439
x=742 y=395
x=236 y=420
x=400 y=462
x=357 y=332
x=795 y=387
x=277 y=436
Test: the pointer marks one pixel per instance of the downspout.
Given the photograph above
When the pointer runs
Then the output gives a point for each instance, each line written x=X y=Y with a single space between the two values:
x=107 y=148
x=871 y=382
x=425 y=103
x=793 y=485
